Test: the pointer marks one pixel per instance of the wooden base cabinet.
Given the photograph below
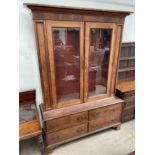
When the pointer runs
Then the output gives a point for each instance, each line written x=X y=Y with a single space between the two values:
x=67 y=127
x=78 y=52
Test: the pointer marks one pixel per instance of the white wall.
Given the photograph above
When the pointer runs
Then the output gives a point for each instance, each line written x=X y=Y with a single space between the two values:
x=129 y=29
x=29 y=77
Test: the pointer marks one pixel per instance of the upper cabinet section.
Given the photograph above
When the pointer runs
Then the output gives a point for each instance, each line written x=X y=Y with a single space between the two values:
x=78 y=51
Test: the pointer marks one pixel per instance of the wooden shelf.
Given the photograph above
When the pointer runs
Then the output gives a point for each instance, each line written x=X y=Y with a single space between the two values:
x=126 y=69
x=131 y=44
x=127 y=58
x=126 y=85
x=29 y=124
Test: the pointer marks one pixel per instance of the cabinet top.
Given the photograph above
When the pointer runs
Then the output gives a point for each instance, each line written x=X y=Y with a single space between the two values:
x=75 y=10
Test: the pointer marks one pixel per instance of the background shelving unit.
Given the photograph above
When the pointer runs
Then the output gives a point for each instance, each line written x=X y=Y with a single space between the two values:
x=126 y=69
x=125 y=88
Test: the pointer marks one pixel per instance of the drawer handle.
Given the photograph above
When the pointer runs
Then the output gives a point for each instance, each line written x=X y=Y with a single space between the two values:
x=114 y=120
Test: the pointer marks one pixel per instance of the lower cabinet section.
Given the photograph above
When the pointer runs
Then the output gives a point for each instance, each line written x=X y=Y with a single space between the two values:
x=56 y=137
x=64 y=129
x=103 y=117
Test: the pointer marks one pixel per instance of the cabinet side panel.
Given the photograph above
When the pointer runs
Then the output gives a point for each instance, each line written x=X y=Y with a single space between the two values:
x=116 y=57
x=40 y=36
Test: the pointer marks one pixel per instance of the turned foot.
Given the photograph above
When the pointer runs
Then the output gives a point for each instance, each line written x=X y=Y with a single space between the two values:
x=117 y=127
x=42 y=145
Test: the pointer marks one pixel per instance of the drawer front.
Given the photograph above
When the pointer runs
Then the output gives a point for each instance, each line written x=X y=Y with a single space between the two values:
x=65 y=122
x=105 y=111
x=128 y=117
x=129 y=111
x=128 y=104
x=129 y=94
x=127 y=99
x=66 y=134
x=104 y=122
x=128 y=114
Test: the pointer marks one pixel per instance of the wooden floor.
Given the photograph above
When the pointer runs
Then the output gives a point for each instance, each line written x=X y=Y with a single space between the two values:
x=110 y=142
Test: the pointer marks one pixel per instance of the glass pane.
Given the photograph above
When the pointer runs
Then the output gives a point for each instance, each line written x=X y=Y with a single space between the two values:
x=99 y=50
x=67 y=63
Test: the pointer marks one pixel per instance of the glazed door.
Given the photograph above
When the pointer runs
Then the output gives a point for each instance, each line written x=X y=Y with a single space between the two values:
x=99 y=50
x=65 y=45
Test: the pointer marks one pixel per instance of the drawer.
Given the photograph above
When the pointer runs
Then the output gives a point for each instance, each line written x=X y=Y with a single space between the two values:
x=128 y=111
x=105 y=111
x=66 y=122
x=104 y=122
x=29 y=129
x=129 y=94
x=128 y=104
x=128 y=117
x=129 y=98
x=128 y=114
x=66 y=134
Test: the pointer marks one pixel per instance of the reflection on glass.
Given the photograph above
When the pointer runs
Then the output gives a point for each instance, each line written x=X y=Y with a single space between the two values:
x=67 y=63
x=99 y=60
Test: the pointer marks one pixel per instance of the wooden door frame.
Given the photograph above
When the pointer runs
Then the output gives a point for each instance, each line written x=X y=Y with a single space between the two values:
x=88 y=26
x=49 y=25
